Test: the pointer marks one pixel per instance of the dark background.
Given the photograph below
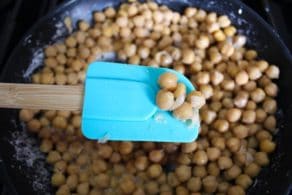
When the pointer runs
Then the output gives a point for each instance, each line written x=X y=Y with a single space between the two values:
x=17 y=16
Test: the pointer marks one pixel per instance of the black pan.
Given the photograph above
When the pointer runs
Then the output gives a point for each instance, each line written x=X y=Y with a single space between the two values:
x=25 y=177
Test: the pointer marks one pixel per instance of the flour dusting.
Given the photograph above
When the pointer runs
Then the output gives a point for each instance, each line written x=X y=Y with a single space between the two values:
x=37 y=60
x=27 y=151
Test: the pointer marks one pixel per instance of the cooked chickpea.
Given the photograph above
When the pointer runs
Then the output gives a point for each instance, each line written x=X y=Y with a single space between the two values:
x=270 y=106
x=248 y=116
x=213 y=153
x=184 y=111
x=156 y=155
x=200 y=157
x=252 y=170
x=154 y=170
x=235 y=190
x=183 y=172
x=233 y=114
x=273 y=72
x=196 y=99
x=164 y=99
x=210 y=184
x=188 y=56
x=271 y=89
x=224 y=162
x=168 y=81
x=241 y=78
x=233 y=144
x=126 y=147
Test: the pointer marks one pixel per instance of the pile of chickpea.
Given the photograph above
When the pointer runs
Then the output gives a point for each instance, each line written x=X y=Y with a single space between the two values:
x=238 y=121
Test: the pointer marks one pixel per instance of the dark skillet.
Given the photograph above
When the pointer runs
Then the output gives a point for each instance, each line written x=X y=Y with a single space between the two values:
x=24 y=179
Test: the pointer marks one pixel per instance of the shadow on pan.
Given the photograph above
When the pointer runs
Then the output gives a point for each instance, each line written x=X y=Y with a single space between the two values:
x=30 y=175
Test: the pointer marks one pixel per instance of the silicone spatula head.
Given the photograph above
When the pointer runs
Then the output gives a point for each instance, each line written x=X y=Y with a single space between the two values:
x=119 y=104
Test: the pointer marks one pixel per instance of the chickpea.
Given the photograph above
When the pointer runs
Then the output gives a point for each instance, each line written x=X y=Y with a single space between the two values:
x=202 y=42
x=34 y=125
x=248 y=116
x=232 y=173
x=213 y=153
x=141 y=163
x=184 y=111
x=207 y=91
x=200 y=157
x=183 y=172
x=273 y=72
x=189 y=147
x=210 y=184
x=261 y=158
x=156 y=156
x=271 y=89
x=154 y=170
x=221 y=125
x=168 y=81
x=72 y=181
x=164 y=99
x=196 y=99
x=235 y=190
x=252 y=170
x=241 y=78
x=250 y=54
x=25 y=115
x=267 y=146
x=223 y=187
x=188 y=56
x=172 y=179
x=233 y=114
x=58 y=179
x=105 y=151
x=270 y=106
x=126 y=148
x=233 y=144
x=83 y=188
x=224 y=162
x=258 y=95
x=194 y=184
x=46 y=145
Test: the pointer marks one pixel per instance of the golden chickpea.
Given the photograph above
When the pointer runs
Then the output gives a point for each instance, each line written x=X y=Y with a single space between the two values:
x=194 y=184
x=156 y=155
x=46 y=146
x=270 y=123
x=83 y=188
x=270 y=106
x=273 y=72
x=105 y=151
x=168 y=81
x=219 y=35
x=184 y=111
x=188 y=56
x=252 y=170
x=207 y=91
x=271 y=89
x=233 y=144
x=262 y=65
x=233 y=114
x=200 y=157
x=189 y=147
x=241 y=78
x=196 y=99
x=63 y=190
x=126 y=148
x=58 y=179
x=61 y=79
x=224 y=162
x=25 y=115
x=261 y=158
x=244 y=181
x=258 y=95
x=154 y=170
x=34 y=125
x=223 y=187
x=127 y=185
x=210 y=184
x=240 y=131
x=235 y=190
x=59 y=122
x=151 y=187
x=267 y=146
x=164 y=99
x=180 y=90
x=47 y=78
x=250 y=54
x=51 y=62
x=232 y=173
x=221 y=125
x=141 y=163
x=248 y=116
x=254 y=73
x=213 y=153
x=72 y=181
x=202 y=78
x=183 y=172
x=202 y=42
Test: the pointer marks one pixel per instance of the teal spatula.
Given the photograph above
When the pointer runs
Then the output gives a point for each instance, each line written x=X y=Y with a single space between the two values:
x=118 y=103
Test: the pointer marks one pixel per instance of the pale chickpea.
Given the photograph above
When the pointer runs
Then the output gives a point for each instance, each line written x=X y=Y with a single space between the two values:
x=164 y=99
x=196 y=99
x=233 y=114
x=270 y=106
x=258 y=95
x=180 y=90
x=184 y=111
x=241 y=78
x=271 y=89
x=273 y=72
x=202 y=42
x=207 y=91
x=188 y=56
x=262 y=65
x=168 y=81
x=202 y=78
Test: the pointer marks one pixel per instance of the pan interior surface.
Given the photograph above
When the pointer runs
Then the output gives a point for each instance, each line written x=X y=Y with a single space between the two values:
x=28 y=55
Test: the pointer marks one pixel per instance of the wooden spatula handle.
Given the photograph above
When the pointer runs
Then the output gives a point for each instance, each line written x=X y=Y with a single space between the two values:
x=43 y=97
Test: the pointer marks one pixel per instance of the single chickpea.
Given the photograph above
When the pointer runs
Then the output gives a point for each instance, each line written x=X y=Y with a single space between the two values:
x=26 y=115
x=151 y=187
x=228 y=85
x=262 y=65
x=189 y=147
x=184 y=111
x=126 y=147
x=267 y=146
x=156 y=156
x=53 y=157
x=46 y=146
x=83 y=25
x=221 y=125
x=127 y=185
x=258 y=95
x=200 y=157
x=250 y=54
x=207 y=91
x=230 y=31
x=250 y=86
x=224 y=21
x=213 y=169
x=196 y=99
x=83 y=188
x=248 y=116
x=270 y=106
x=71 y=42
x=210 y=184
x=141 y=163
x=34 y=125
x=154 y=170
x=235 y=190
x=241 y=78
x=168 y=81
x=240 y=131
x=233 y=114
x=270 y=123
x=241 y=99
x=202 y=42
x=273 y=72
x=199 y=171
x=271 y=89
x=194 y=184
x=216 y=77
x=164 y=99
x=219 y=35
x=183 y=172
x=188 y=56
x=232 y=173
x=233 y=144
x=180 y=90
x=213 y=153
x=224 y=163
x=261 y=158
x=252 y=170
x=223 y=187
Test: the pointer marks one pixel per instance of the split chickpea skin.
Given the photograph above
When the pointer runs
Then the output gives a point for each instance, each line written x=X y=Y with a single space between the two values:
x=235 y=92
